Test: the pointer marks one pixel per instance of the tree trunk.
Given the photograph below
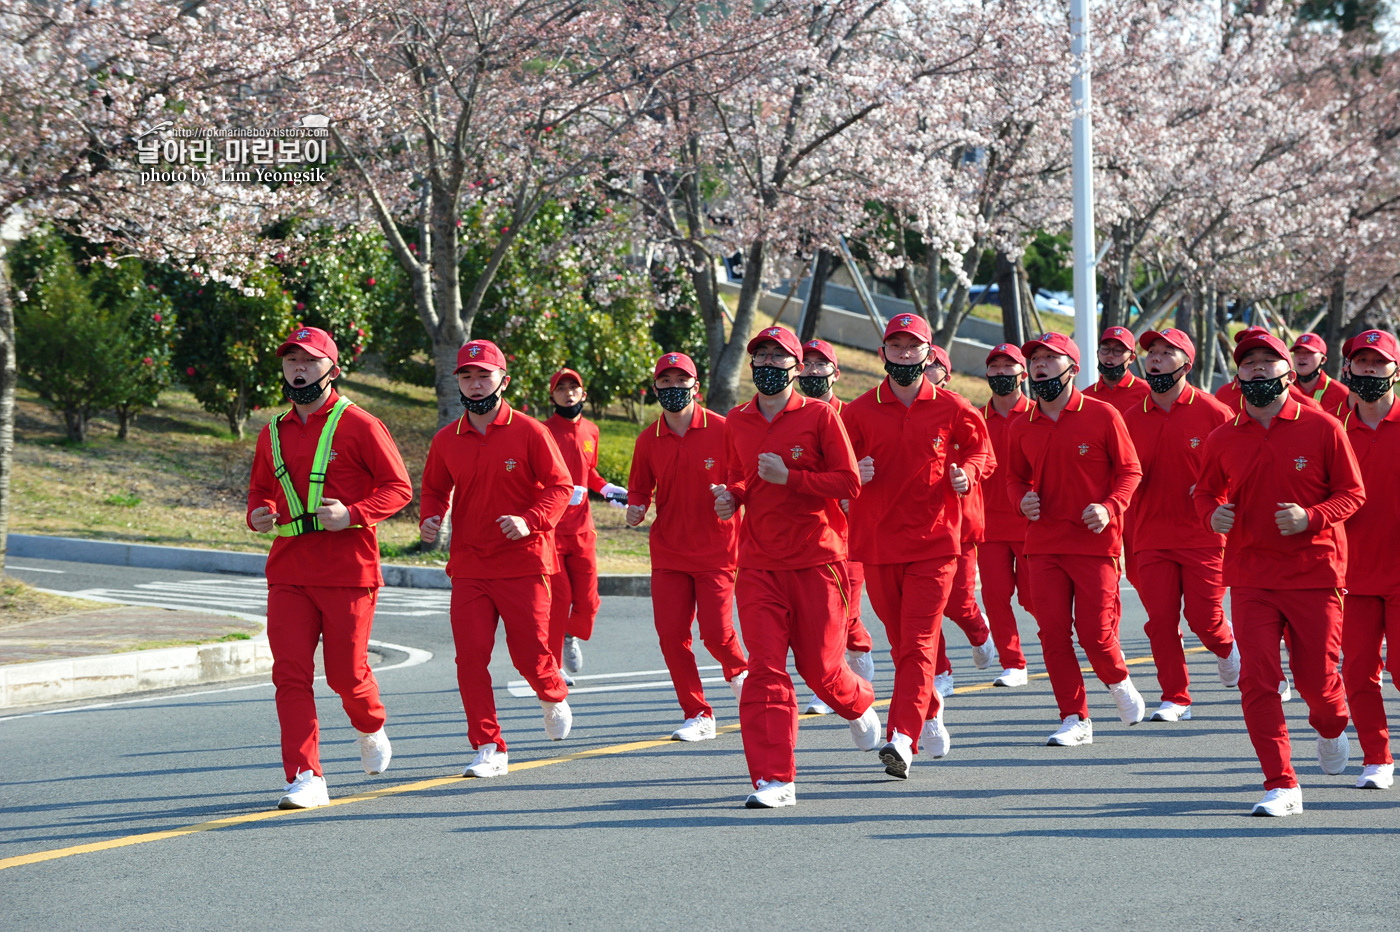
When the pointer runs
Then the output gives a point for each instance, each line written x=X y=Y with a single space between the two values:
x=125 y=417
x=726 y=375
x=8 y=375
x=1009 y=295
x=1336 y=319
x=958 y=307
x=817 y=294
x=236 y=417
x=934 y=302
x=75 y=421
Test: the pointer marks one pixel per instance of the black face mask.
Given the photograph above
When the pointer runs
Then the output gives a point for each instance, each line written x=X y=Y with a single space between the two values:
x=1112 y=373
x=1260 y=393
x=1049 y=389
x=1346 y=377
x=1002 y=384
x=814 y=386
x=481 y=405
x=905 y=375
x=569 y=413
x=1310 y=377
x=1162 y=382
x=673 y=399
x=1371 y=388
x=305 y=394
x=770 y=380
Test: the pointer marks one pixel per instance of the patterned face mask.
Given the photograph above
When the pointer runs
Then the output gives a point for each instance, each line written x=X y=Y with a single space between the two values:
x=770 y=380
x=673 y=399
x=1049 y=389
x=1371 y=388
x=814 y=386
x=1002 y=384
x=1260 y=393
x=481 y=405
x=1162 y=382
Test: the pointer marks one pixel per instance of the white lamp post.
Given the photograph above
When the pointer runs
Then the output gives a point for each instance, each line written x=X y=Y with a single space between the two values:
x=1085 y=288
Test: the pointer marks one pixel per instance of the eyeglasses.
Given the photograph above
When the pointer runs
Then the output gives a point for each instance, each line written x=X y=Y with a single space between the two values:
x=818 y=367
x=779 y=359
x=906 y=352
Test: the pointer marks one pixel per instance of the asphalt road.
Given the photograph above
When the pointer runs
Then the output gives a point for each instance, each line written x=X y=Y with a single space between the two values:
x=1148 y=828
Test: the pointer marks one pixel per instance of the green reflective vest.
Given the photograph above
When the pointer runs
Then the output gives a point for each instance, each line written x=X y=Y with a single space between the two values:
x=303 y=519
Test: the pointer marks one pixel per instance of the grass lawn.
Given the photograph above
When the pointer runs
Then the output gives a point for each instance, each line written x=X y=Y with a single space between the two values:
x=182 y=480
x=20 y=602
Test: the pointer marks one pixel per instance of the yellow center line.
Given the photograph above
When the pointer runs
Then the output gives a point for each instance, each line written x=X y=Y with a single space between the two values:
x=418 y=786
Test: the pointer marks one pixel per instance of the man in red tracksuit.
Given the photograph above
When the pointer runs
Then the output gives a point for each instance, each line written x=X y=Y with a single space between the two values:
x=820 y=370
x=1073 y=473
x=1309 y=353
x=961 y=608
x=574 y=589
x=323 y=571
x=1123 y=390
x=920 y=449
x=1177 y=560
x=1372 y=612
x=787 y=458
x=508 y=487
x=693 y=552
x=1001 y=558
x=1278 y=481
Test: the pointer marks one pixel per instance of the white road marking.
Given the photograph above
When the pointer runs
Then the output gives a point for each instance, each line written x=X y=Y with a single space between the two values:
x=32 y=569
x=415 y=657
x=248 y=596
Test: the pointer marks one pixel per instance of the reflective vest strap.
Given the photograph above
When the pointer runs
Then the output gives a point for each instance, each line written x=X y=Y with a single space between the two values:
x=303 y=517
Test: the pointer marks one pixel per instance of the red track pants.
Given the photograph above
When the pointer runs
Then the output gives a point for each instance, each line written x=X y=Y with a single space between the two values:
x=678 y=599
x=1167 y=579
x=803 y=610
x=909 y=598
x=962 y=607
x=1132 y=561
x=1366 y=620
x=573 y=604
x=857 y=635
x=299 y=617
x=523 y=604
x=1313 y=618
x=1005 y=572
x=1077 y=594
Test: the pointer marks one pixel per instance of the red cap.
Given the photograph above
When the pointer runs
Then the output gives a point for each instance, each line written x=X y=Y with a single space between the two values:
x=562 y=374
x=1248 y=332
x=1009 y=351
x=314 y=340
x=912 y=324
x=482 y=353
x=1310 y=341
x=825 y=349
x=1174 y=337
x=1055 y=343
x=1378 y=340
x=784 y=338
x=1258 y=338
x=1120 y=335
x=675 y=361
x=940 y=356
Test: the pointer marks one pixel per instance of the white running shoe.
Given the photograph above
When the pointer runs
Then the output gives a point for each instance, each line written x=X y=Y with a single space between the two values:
x=817 y=707
x=736 y=685
x=862 y=664
x=1072 y=733
x=1376 y=777
x=558 y=719
x=1172 y=712
x=1229 y=667
x=772 y=794
x=1333 y=753
x=1131 y=707
x=943 y=682
x=699 y=728
x=983 y=654
x=865 y=731
x=1284 y=801
x=573 y=654
x=568 y=680
x=897 y=755
x=1012 y=677
x=489 y=762
x=1285 y=692
x=936 y=739
x=375 y=751
x=307 y=791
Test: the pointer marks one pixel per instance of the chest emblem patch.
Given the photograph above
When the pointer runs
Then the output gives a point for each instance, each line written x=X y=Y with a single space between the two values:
x=797 y=452
x=588 y=446
x=938 y=443
x=1083 y=449
x=1195 y=442
x=709 y=462
x=1300 y=463
x=510 y=465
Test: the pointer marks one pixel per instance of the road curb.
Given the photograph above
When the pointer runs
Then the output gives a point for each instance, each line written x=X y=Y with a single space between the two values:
x=200 y=560
x=106 y=675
